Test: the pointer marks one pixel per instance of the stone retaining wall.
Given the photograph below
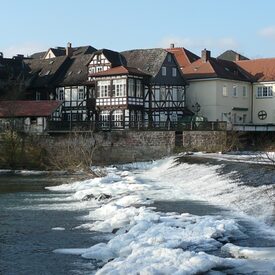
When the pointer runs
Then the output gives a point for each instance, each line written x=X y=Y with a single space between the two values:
x=209 y=141
x=129 y=146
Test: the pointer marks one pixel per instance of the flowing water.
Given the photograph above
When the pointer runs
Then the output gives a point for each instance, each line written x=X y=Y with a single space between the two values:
x=37 y=223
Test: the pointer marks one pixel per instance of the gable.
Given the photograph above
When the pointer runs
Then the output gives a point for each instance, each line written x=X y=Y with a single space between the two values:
x=49 y=54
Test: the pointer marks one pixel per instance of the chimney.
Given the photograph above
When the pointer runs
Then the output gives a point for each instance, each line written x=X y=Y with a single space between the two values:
x=172 y=45
x=237 y=57
x=69 y=49
x=205 y=55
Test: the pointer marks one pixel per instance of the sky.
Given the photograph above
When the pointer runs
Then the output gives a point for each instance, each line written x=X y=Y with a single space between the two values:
x=246 y=26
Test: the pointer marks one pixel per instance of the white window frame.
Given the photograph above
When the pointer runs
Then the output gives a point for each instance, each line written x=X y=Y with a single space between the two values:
x=131 y=87
x=138 y=88
x=174 y=72
x=80 y=95
x=117 y=118
x=264 y=91
x=103 y=86
x=120 y=87
x=224 y=91
x=235 y=90
x=163 y=71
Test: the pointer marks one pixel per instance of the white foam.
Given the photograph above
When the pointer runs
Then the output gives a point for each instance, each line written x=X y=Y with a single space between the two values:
x=141 y=240
x=262 y=253
x=58 y=228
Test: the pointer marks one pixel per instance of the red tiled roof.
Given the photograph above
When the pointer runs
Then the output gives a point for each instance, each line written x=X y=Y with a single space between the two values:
x=120 y=70
x=183 y=56
x=262 y=69
x=213 y=68
x=26 y=108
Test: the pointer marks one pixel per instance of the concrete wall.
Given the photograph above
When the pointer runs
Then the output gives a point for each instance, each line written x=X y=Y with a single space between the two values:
x=209 y=141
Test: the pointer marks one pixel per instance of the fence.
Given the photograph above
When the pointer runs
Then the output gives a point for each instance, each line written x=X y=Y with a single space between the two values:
x=83 y=126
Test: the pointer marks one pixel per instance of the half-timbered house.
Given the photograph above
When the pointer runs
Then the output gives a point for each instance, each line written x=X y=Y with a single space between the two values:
x=72 y=90
x=164 y=94
x=120 y=96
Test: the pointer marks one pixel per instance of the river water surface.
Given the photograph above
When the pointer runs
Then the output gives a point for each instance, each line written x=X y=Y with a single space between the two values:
x=35 y=221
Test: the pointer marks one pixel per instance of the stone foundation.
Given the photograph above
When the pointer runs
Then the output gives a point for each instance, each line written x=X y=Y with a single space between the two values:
x=207 y=141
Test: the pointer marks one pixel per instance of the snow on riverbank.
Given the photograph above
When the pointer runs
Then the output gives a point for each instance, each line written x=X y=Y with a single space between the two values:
x=145 y=241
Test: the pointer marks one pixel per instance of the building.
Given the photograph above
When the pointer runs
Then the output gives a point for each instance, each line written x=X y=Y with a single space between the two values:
x=219 y=90
x=164 y=94
x=13 y=77
x=28 y=116
x=263 y=88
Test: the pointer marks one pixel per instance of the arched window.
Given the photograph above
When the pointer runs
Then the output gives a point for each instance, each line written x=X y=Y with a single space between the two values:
x=104 y=118
x=117 y=118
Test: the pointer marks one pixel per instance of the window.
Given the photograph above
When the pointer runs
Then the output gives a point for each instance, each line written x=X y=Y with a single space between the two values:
x=104 y=117
x=235 y=90
x=74 y=117
x=264 y=91
x=162 y=95
x=103 y=88
x=117 y=118
x=131 y=87
x=119 y=87
x=37 y=95
x=174 y=72
x=60 y=95
x=139 y=88
x=163 y=71
x=224 y=91
x=169 y=58
x=180 y=94
x=80 y=94
x=244 y=91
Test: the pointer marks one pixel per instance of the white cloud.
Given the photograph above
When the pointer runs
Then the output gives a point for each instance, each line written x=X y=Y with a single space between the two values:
x=197 y=44
x=268 y=32
x=26 y=49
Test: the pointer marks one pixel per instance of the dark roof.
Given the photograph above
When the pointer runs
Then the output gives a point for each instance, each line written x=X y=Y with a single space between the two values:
x=148 y=61
x=38 y=55
x=261 y=69
x=183 y=56
x=115 y=58
x=76 y=72
x=119 y=70
x=83 y=50
x=11 y=68
x=215 y=68
x=60 y=51
x=45 y=71
x=231 y=55
x=25 y=108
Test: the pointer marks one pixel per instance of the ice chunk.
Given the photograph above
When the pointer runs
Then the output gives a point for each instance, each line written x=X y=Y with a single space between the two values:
x=267 y=253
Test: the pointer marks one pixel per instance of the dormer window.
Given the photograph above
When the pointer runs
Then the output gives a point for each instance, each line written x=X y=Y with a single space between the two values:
x=174 y=72
x=163 y=71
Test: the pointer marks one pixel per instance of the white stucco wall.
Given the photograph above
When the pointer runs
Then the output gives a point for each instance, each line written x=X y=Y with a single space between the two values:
x=217 y=105
x=266 y=104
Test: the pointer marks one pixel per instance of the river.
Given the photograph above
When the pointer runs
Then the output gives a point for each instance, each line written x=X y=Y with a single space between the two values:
x=43 y=231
